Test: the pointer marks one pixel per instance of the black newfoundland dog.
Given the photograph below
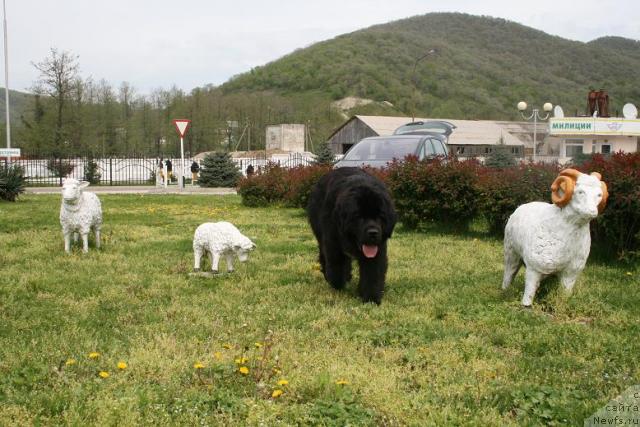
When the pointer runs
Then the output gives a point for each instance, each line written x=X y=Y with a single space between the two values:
x=352 y=216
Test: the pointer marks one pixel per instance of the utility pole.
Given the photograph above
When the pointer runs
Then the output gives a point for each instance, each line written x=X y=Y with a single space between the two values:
x=6 y=74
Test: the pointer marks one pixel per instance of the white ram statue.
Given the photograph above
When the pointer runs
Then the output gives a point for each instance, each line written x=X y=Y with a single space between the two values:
x=554 y=238
x=80 y=212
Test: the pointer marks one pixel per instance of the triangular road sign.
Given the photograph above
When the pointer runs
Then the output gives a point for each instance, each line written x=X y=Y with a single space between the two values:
x=181 y=126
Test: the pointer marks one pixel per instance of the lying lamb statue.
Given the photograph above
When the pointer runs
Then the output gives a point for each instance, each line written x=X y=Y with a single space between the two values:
x=80 y=211
x=554 y=238
x=220 y=238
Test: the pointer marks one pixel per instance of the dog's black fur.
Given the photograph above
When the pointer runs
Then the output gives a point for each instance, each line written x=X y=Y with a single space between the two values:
x=349 y=209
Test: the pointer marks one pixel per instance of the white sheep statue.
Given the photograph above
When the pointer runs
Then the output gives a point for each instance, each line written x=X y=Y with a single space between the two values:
x=79 y=213
x=220 y=238
x=554 y=238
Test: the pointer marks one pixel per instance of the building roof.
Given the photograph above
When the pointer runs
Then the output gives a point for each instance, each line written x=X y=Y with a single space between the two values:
x=467 y=132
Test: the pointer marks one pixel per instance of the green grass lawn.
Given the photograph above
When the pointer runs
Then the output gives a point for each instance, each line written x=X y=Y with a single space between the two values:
x=446 y=347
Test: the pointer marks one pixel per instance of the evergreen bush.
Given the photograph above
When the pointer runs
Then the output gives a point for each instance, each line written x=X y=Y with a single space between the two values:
x=500 y=157
x=91 y=172
x=218 y=170
x=12 y=182
x=324 y=156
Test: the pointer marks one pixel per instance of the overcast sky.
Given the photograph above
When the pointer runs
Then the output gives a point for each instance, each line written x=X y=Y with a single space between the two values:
x=192 y=43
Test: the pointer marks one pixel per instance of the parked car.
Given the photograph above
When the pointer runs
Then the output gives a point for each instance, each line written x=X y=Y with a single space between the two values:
x=377 y=151
x=432 y=126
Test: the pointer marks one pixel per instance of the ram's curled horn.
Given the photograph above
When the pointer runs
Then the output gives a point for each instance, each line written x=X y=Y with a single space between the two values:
x=571 y=173
x=563 y=186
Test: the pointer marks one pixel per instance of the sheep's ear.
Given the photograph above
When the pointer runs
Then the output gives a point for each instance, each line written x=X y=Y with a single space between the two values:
x=83 y=184
x=605 y=196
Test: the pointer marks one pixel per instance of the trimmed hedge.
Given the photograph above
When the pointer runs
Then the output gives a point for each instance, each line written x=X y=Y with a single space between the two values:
x=503 y=190
x=301 y=180
x=452 y=193
x=617 y=229
x=264 y=188
x=277 y=185
x=443 y=190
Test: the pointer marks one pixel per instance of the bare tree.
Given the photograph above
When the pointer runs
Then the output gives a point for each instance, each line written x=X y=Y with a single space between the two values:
x=58 y=77
x=126 y=96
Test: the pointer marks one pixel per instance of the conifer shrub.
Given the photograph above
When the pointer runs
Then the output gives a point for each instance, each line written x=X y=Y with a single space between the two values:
x=12 y=182
x=500 y=157
x=218 y=170
x=325 y=156
x=443 y=191
x=617 y=229
x=91 y=172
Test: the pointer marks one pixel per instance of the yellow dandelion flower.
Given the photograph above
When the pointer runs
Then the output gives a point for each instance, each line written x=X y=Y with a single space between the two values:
x=94 y=355
x=217 y=355
x=276 y=393
x=104 y=374
x=277 y=371
x=258 y=344
x=283 y=382
x=70 y=362
x=227 y=346
x=198 y=365
x=629 y=273
x=241 y=360
x=243 y=370
x=122 y=365
x=342 y=382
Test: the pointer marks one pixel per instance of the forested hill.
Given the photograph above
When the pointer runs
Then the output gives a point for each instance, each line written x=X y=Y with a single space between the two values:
x=481 y=68
x=18 y=103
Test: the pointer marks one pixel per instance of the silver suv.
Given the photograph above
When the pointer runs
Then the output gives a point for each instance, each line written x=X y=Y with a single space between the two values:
x=378 y=151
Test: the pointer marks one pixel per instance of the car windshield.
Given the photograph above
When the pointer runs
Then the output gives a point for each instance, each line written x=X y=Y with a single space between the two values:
x=383 y=149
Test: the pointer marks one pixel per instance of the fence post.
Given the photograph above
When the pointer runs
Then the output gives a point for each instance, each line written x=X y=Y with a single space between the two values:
x=110 y=171
x=60 y=170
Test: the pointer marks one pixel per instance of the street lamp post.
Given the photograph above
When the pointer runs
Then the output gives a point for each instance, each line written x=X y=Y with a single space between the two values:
x=535 y=115
x=415 y=81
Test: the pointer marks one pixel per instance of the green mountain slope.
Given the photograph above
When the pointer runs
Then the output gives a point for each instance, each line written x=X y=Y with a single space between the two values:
x=482 y=68
x=18 y=103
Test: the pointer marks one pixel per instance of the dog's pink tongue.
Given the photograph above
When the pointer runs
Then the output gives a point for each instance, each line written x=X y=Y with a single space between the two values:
x=370 y=251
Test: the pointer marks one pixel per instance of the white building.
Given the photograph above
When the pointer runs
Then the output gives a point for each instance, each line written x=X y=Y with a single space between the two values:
x=285 y=137
x=572 y=136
